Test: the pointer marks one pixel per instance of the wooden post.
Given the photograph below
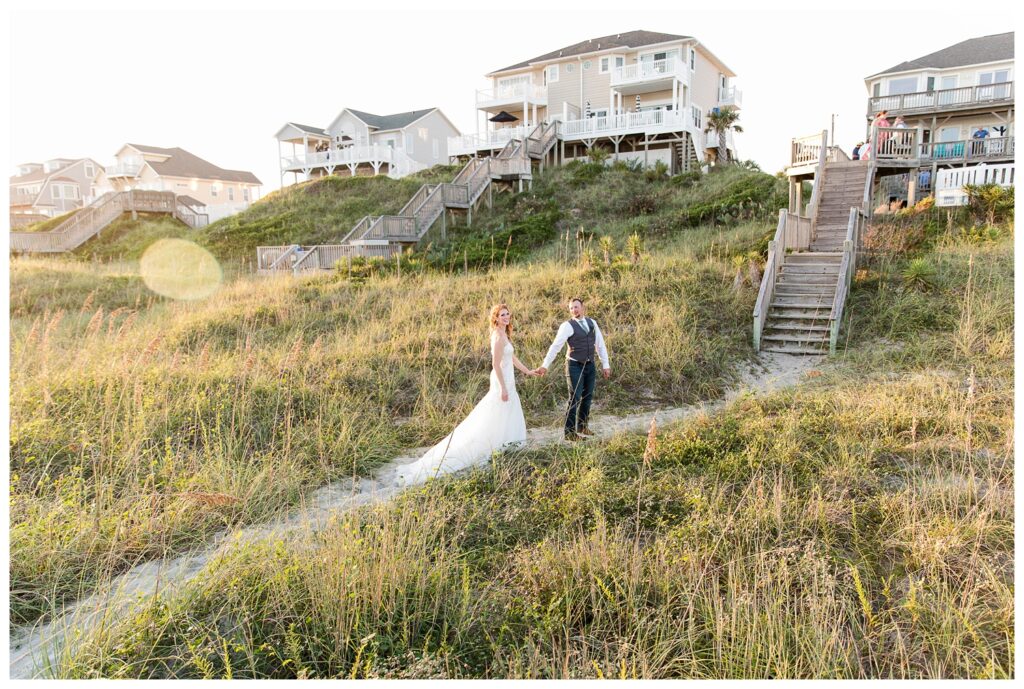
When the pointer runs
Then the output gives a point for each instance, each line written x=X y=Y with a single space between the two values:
x=444 y=226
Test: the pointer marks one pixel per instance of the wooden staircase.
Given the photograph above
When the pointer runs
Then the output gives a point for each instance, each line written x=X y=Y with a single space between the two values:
x=684 y=156
x=811 y=262
x=385 y=235
x=94 y=218
x=843 y=188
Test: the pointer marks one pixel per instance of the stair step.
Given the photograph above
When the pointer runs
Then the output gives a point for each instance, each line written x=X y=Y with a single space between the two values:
x=802 y=315
x=820 y=281
x=813 y=256
x=811 y=268
x=822 y=351
x=797 y=340
x=800 y=326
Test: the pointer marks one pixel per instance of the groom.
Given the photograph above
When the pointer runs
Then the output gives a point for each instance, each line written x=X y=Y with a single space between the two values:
x=586 y=343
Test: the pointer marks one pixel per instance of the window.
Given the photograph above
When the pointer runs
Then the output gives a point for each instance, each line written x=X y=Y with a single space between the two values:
x=948 y=82
x=90 y=170
x=408 y=141
x=55 y=191
x=245 y=194
x=213 y=190
x=609 y=61
x=693 y=59
x=586 y=65
x=550 y=74
x=569 y=68
x=998 y=77
x=901 y=86
x=876 y=89
x=931 y=84
x=231 y=193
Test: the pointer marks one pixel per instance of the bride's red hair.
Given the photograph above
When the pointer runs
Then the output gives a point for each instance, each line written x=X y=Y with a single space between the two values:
x=494 y=318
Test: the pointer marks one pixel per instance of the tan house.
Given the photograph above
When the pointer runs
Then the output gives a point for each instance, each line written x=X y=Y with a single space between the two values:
x=45 y=190
x=361 y=143
x=642 y=95
x=217 y=191
x=957 y=105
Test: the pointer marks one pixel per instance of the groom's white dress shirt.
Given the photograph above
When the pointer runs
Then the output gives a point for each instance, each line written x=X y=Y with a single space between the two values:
x=565 y=332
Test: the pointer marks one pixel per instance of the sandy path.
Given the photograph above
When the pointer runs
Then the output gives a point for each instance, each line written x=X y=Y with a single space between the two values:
x=34 y=651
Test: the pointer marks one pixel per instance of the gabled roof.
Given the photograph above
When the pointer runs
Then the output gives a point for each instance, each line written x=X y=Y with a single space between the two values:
x=629 y=39
x=42 y=174
x=396 y=121
x=973 y=51
x=181 y=163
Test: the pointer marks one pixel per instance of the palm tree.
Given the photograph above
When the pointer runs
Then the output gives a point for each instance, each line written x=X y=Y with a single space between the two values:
x=721 y=122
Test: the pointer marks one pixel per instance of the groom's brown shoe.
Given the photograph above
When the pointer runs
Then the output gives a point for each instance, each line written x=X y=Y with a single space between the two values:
x=574 y=437
x=586 y=431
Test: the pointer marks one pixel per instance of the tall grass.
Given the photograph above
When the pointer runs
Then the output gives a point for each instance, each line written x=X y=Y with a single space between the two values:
x=860 y=526
x=128 y=412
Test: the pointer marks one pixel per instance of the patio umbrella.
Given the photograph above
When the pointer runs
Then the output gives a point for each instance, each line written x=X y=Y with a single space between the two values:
x=503 y=117
x=638 y=102
x=586 y=112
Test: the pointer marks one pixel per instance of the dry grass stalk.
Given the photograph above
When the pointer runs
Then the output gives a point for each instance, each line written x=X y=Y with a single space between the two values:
x=87 y=304
x=209 y=499
x=95 y=323
x=128 y=322
x=651 y=449
x=204 y=355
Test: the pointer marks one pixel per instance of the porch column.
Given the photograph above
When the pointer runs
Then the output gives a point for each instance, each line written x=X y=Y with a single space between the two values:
x=535 y=114
x=912 y=188
x=280 y=161
x=526 y=110
x=675 y=95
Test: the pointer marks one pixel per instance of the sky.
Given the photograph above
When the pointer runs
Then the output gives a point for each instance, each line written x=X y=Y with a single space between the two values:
x=220 y=78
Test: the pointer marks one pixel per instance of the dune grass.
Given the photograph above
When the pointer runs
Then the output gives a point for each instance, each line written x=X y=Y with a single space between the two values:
x=859 y=526
x=139 y=425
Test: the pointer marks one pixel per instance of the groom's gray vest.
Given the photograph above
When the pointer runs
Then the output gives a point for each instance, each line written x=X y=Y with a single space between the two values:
x=581 y=343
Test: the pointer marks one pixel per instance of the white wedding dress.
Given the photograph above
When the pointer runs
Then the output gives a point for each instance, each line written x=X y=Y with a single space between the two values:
x=492 y=425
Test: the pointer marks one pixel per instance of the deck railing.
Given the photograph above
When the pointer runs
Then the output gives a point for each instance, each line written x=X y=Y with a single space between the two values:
x=776 y=250
x=649 y=71
x=730 y=95
x=894 y=143
x=942 y=99
x=969 y=149
x=375 y=153
x=949 y=184
x=513 y=92
x=625 y=122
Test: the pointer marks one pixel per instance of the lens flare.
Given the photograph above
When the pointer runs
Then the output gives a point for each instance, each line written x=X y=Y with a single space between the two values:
x=180 y=269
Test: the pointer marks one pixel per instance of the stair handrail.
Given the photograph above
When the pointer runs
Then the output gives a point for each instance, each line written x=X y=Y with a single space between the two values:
x=776 y=252
x=854 y=228
x=819 y=180
x=366 y=220
x=275 y=265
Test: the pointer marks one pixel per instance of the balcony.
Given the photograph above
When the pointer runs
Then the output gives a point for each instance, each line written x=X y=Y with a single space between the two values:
x=350 y=155
x=924 y=102
x=730 y=96
x=513 y=94
x=469 y=144
x=644 y=77
x=627 y=123
x=123 y=170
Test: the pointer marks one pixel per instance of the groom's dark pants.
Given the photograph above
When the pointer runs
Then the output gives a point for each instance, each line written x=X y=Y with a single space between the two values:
x=581 y=379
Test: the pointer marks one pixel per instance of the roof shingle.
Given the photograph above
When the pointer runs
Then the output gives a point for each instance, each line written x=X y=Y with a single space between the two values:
x=385 y=122
x=628 y=39
x=181 y=163
x=973 y=51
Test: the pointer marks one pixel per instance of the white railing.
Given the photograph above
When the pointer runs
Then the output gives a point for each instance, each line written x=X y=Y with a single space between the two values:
x=496 y=138
x=123 y=170
x=376 y=153
x=949 y=184
x=964 y=96
x=511 y=93
x=730 y=95
x=626 y=123
x=806 y=150
x=649 y=71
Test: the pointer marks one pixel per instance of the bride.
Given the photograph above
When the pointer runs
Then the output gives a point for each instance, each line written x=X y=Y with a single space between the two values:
x=495 y=423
